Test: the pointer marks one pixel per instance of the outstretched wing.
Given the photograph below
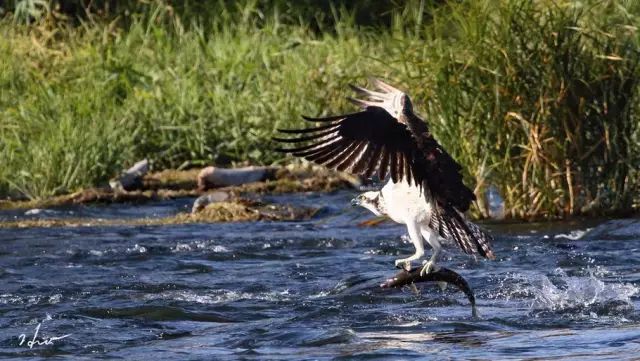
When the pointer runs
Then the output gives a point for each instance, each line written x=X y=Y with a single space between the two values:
x=362 y=143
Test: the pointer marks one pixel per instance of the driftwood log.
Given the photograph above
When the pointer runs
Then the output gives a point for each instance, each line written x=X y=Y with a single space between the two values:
x=212 y=177
x=404 y=278
x=131 y=179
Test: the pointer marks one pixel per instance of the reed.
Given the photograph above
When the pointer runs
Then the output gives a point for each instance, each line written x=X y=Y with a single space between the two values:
x=545 y=97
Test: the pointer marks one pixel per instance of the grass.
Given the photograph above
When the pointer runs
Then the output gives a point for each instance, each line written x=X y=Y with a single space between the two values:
x=549 y=97
x=78 y=104
x=539 y=100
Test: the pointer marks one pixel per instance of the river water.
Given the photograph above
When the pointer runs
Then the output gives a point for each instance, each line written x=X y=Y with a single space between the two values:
x=309 y=290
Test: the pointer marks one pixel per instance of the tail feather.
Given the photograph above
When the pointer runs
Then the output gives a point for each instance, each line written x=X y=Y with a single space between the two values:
x=450 y=224
x=483 y=240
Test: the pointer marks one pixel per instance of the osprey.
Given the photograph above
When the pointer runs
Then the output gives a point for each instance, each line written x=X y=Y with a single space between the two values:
x=425 y=189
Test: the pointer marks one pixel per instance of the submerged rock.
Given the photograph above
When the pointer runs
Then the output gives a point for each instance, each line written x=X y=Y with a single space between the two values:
x=248 y=210
x=214 y=197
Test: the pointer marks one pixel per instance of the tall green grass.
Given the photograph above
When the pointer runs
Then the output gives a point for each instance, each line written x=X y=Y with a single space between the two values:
x=547 y=99
x=79 y=103
x=539 y=100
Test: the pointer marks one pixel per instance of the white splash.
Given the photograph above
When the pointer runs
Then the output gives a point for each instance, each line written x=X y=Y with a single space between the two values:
x=33 y=212
x=137 y=249
x=573 y=235
x=320 y=294
x=8 y=299
x=578 y=292
x=559 y=292
x=55 y=298
x=96 y=253
x=182 y=247
x=199 y=245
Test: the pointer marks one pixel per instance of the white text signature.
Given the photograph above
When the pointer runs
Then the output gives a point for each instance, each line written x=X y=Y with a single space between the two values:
x=41 y=342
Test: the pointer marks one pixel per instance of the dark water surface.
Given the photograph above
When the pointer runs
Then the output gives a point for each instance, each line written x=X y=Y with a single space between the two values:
x=309 y=290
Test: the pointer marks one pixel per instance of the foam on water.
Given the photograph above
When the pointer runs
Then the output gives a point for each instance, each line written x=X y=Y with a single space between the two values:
x=573 y=235
x=219 y=296
x=137 y=249
x=199 y=245
x=8 y=298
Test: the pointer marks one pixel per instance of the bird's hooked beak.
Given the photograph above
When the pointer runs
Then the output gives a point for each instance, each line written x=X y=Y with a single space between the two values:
x=356 y=201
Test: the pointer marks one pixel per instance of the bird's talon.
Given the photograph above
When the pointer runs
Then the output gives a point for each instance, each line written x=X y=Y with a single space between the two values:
x=403 y=264
x=427 y=268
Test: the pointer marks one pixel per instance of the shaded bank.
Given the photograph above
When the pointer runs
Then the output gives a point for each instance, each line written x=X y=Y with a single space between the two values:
x=539 y=101
x=237 y=203
x=241 y=202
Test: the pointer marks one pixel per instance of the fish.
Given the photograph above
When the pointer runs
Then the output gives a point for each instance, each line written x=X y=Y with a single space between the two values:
x=442 y=275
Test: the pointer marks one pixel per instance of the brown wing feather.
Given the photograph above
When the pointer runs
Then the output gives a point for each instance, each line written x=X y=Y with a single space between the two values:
x=342 y=156
x=443 y=176
x=393 y=166
x=384 y=164
x=359 y=166
x=352 y=158
x=365 y=142
x=374 y=158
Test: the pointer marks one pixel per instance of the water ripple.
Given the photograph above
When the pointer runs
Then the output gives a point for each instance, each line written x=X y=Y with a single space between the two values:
x=309 y=290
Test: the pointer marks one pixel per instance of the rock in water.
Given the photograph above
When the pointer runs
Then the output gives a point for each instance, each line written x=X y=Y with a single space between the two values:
x=207 y=199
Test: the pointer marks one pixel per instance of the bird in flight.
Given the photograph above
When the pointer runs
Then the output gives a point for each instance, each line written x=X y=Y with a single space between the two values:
x=386 y=138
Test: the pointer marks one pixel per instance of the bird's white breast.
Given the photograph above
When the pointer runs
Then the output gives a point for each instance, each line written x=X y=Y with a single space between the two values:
x=405 y=203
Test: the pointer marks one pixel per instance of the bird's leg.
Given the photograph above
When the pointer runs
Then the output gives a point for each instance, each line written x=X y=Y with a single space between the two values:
x=416 y=239
x=430 y=265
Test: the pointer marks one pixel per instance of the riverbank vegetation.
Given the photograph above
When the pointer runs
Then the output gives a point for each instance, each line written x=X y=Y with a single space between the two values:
x=539 y=99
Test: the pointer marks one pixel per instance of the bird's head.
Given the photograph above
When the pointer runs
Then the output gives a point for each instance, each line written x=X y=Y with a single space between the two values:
x=371 y=201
